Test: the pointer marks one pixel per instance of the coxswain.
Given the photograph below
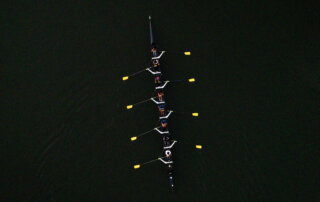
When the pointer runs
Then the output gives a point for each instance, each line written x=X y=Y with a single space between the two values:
x=160 y=96
x=161 y=109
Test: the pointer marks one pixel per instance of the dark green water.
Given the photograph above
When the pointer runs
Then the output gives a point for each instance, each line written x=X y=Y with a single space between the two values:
x=65 y=133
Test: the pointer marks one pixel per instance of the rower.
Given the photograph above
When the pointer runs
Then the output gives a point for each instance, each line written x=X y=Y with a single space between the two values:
x=157 y=80
x=155 y=63
x=168 y=153
x=165 y=138
x=161 y=109
x=164 y=123
x=154 y=50
x=166 y=141
x=160 y=95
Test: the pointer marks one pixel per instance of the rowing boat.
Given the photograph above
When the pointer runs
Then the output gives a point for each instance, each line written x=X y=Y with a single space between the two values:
x=161 y=104
x=160 y=101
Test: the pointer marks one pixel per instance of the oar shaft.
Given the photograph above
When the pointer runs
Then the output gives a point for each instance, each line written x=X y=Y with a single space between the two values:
x=146 y=132
x=178 y=52
x=138 y=72
x=149 y=161
x=190 y=80
x=152 y=160
x=177 y=80
x=143 y=101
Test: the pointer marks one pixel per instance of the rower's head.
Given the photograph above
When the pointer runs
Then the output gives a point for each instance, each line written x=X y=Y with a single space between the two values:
x=160 y=93
x=157 y=79
x=155 y=63
x=161 y=106
x=164 y=123
x=168 y=153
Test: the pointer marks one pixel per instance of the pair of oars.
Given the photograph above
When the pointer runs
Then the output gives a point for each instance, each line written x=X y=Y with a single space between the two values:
x=134 y=138
x=137 y=166
x=128 y=107
x=124 y=78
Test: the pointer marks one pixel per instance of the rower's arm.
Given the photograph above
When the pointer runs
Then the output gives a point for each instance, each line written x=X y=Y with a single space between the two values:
x=165 y=162
x=165 y=132
x=164 y=85
x=169 y=147
x=157 y=101
x=165 y=117
x=152 y=72
x=158 y=57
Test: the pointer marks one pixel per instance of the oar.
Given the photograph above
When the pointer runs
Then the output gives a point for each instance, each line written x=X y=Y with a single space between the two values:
x=190 y=80
x=185 y=52
x=193 y=113
x=137 y=166
x=143 y=101
x=134 y=74
x=136 y=137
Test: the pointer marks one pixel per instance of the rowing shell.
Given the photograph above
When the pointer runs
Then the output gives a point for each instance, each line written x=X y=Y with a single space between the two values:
x=160 y=101
x=164 y=113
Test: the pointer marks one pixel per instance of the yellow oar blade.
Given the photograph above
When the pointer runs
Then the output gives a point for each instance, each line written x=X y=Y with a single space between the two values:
x=136 y=166
x=125 y=78
x=195 y=114
x=129 y=106
x=187 y=53
x=133 y=138
x=199 y=146
x=192 y=80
